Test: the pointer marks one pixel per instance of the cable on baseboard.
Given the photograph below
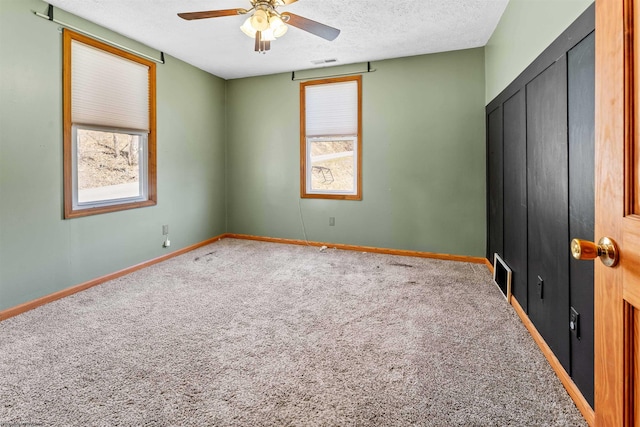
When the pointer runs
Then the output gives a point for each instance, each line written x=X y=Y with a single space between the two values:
x=304 y=230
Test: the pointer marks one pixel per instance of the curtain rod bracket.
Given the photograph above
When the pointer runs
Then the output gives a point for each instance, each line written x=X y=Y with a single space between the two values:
x=49 y=17
x=368 y=70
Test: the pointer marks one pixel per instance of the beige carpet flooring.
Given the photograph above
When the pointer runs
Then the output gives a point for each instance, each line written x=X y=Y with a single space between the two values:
x=243 y=333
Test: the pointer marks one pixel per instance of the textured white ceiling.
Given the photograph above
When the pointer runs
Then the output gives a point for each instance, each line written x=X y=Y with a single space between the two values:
x=371 y=30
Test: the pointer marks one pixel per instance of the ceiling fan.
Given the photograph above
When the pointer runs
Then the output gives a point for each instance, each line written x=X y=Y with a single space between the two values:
x=266 y=23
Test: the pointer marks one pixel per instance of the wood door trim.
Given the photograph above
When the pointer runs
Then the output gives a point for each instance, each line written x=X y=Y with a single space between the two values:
x=571 y=387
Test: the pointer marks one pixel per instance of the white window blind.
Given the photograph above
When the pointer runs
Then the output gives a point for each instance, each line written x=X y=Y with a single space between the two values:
x=108 y=90
x=331 y=109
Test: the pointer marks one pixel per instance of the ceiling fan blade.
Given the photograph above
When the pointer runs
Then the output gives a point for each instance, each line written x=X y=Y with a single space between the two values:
x=286 y=2
x=313 y=27
x=211 y=14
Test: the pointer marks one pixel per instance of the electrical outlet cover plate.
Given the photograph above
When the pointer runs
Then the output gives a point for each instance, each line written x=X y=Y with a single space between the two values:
x=540 y=287
x=574 y=322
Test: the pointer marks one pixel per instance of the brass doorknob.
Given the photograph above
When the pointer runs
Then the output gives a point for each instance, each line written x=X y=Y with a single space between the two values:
x=606 y=249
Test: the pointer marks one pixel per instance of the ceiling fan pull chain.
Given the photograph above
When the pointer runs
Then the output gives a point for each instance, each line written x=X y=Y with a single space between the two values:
x=262 y=45
x=258 y=40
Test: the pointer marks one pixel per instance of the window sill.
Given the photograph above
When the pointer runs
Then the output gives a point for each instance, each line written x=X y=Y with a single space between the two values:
x=69 y=213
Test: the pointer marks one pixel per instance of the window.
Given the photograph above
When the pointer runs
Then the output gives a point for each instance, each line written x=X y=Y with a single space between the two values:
x=331 y=138
x=109 y=128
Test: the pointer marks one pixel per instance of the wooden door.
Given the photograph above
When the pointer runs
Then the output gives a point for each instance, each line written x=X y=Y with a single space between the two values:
x=617 y=289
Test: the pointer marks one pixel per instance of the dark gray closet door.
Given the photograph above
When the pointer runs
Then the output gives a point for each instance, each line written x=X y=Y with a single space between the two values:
x=495 y=183
x=581 y=77
x=548 y=200
x=515 y=194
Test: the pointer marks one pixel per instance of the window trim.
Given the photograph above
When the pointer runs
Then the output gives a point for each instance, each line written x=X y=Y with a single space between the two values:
x=305 y=193
x=68 y=143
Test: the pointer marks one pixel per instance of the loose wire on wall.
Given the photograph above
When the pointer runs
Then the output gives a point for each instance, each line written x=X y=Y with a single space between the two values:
x=304 y=230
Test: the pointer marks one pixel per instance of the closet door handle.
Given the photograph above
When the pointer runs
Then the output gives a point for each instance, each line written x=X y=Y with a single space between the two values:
x=606 y=249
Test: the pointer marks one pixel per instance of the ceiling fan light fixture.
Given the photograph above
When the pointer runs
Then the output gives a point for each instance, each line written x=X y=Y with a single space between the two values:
x=266 y=24
x=248 y=29
x=268 y=36
x=260 y=20
x=278 y=27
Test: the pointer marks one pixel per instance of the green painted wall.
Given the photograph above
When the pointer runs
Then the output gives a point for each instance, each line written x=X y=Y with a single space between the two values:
x=525 y=30
x=41 y=253
x=423 y=159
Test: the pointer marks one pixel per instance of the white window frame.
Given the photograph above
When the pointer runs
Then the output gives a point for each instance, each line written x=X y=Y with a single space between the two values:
x=309 y=164
x=142 y=169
